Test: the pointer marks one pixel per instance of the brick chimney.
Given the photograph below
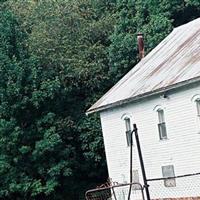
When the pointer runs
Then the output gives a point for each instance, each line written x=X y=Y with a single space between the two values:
x=140 y=40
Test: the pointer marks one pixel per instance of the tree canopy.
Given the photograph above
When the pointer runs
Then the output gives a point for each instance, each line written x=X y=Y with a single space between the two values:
x=57 y=57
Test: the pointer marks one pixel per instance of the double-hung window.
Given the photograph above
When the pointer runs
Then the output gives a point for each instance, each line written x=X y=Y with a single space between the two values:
x=161 y=124
x=128 y=127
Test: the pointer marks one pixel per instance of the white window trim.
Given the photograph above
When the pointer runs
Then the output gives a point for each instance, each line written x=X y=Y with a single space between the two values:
x=126 y=115
x=195 y=98
x=158 y=107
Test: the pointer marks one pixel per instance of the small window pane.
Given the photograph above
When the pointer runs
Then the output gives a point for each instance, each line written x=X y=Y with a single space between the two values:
x=162 y=131
x=128 y=139
x=161 y=117
x=135 y=176
x=168 y=172
x=128 y=124
x=136 y=180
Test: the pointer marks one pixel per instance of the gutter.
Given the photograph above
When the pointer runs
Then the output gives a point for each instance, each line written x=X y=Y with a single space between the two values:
x=145 y=95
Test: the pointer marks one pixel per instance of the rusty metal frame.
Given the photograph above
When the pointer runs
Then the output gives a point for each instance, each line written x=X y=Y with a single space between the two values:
x=110 y=186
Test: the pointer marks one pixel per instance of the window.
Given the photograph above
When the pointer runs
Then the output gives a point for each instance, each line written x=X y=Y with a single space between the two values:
x=127 y=120
x=128 y=127
x=168 y=173
x=198 y=106
x=136 y=180
x=161 y=125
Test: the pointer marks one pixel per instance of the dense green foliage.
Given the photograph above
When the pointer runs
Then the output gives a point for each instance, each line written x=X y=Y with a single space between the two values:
x=57 y=57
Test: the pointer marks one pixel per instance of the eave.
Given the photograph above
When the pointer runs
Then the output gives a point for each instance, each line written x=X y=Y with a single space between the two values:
x=143 y=96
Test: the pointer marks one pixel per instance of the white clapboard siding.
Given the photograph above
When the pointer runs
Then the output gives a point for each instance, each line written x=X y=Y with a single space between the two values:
x=181 y=149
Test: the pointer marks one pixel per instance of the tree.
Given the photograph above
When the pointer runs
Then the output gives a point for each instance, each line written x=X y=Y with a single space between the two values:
x=58 y=62
x=57 y=58
x=134 y=17
x=35 y=137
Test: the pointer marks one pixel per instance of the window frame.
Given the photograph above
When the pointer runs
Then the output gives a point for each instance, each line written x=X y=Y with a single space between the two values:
x=162 y=129
x=169 y=181
x=127 y=121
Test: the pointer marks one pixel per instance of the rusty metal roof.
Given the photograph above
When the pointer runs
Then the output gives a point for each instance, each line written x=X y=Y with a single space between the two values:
x=174 y=62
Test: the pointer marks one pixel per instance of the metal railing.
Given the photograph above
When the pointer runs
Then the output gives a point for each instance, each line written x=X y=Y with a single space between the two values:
x=116 y=192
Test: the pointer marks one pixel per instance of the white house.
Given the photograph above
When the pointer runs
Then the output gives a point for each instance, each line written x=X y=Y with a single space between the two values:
x=161 y=94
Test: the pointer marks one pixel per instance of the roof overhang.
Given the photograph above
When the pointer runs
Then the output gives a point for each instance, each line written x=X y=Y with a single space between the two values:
x=143 y=96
